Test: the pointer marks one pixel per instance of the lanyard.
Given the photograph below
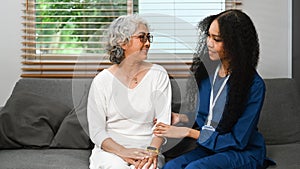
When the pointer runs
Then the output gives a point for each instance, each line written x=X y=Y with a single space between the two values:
x=213 y=100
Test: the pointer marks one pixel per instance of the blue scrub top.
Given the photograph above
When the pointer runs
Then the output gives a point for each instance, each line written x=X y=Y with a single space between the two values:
x=244 y=135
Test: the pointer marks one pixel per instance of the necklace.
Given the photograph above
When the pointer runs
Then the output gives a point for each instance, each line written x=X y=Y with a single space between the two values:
x=134 y=79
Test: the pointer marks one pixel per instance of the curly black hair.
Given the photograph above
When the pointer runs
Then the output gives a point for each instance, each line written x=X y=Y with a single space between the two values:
x=241 y=46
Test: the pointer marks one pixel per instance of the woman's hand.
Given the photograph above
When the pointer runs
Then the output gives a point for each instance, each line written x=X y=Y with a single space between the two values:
x=130 y=155
x=147 y=162
x=177 y=118
x=131 y=161
x=140 y=158
x=165 y=130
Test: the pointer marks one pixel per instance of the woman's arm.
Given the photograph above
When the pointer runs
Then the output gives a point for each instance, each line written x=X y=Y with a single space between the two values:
x=165 y=130
x=96 y=115
x=162 y=96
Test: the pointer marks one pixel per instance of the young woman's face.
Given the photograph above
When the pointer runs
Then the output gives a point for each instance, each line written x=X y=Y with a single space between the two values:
x=137 y=47
x=215 y=42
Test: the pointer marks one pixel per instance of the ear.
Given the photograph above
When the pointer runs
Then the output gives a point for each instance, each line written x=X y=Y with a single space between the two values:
x=124 y=46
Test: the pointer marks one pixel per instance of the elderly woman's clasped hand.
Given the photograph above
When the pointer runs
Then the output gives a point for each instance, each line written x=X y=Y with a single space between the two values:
x=146 y=162
x=140 y=158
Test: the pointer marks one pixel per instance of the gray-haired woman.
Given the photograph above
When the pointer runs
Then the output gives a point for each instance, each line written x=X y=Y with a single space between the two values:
x=125 y=98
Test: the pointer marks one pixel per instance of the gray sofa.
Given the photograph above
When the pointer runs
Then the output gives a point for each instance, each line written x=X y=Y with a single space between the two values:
x=43 y=124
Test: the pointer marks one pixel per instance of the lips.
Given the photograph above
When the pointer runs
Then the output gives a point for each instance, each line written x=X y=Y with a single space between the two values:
x=145 y=50
x=211 y=52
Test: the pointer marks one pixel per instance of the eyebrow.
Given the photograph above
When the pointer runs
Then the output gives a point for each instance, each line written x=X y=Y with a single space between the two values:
x=143 y=33
x=215 y=35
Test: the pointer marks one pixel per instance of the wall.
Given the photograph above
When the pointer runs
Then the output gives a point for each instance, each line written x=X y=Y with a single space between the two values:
x=10 y=45
x=271 y=18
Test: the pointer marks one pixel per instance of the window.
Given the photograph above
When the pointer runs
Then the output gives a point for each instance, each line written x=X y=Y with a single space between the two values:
x=173 y=24
x=63 y=38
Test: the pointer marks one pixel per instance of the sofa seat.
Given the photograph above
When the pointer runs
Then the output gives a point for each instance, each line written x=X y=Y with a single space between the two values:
x=44 y=159
x=285 y=155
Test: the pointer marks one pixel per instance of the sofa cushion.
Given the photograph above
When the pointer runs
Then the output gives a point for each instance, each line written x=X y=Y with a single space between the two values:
x=44 y=159
x=29 y=120
x=286 y=156
x=279 y=121
x=73 y=131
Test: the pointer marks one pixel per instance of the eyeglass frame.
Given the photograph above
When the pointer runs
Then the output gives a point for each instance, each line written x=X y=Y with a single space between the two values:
x=142 y=38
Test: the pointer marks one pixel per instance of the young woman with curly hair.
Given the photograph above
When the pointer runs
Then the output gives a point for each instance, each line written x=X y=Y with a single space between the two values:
x=231 y=95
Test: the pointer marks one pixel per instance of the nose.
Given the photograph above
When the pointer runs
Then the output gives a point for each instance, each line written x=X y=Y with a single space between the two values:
x=209 y=42
x=147 y=43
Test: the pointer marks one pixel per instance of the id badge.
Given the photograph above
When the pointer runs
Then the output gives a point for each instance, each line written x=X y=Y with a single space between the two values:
x=206 y=127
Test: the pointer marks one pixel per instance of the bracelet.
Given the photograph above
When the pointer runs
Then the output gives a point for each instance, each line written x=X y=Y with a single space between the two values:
x=152 y=149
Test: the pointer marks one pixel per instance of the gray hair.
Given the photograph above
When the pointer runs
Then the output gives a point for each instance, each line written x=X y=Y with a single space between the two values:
x=119 y=33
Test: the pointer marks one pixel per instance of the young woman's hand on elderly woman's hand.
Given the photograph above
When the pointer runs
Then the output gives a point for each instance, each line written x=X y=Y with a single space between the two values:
x=165 y=130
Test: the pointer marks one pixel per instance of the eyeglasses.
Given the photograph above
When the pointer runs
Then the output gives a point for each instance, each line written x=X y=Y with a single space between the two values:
x=144 y=37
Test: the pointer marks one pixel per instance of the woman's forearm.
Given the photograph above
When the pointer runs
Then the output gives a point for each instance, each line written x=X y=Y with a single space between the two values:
x=193 y=133
x=109 y=145
x=156 y=142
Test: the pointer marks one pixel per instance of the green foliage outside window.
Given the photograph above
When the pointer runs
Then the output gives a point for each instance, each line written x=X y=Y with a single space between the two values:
x=75 y=26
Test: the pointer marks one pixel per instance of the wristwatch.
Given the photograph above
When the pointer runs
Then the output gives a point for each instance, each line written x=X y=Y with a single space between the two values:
x=152 y=149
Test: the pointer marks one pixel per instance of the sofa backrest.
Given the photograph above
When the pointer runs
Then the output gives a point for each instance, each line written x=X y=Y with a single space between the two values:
x=67 y=91
x=280 y=116
x=279 y=119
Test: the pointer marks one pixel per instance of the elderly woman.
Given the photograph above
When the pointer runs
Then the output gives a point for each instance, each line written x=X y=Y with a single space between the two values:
x=125 y=99
x=231 y=95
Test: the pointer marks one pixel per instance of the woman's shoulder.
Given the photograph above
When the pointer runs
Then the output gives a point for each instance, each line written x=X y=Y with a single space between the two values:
x=104 y=75
x=158 y=67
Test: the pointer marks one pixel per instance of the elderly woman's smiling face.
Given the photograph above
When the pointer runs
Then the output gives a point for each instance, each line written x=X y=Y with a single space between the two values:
x=137 y=46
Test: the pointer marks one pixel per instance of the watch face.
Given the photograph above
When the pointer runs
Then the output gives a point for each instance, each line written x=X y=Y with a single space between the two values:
x=151 y=148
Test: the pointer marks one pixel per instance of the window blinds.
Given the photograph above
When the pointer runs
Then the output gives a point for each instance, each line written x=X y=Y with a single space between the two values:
x=64 y=38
